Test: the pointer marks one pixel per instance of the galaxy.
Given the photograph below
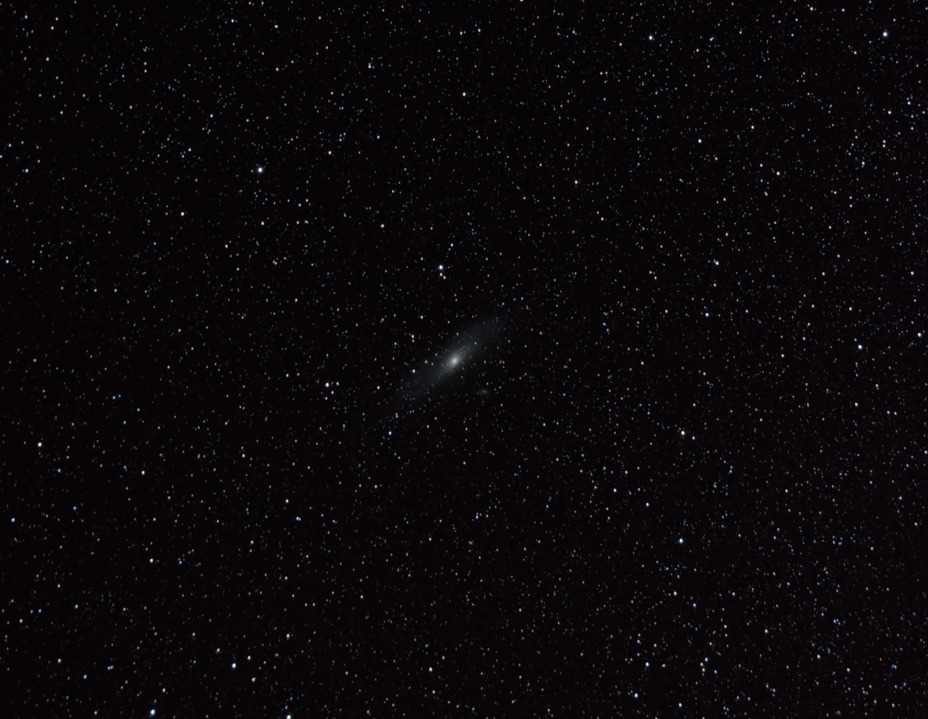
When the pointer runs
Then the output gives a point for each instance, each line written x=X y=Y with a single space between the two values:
x=468 y=346
x=444 y=359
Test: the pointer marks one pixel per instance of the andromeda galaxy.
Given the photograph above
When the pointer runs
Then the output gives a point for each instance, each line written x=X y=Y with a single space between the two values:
x=464 y=347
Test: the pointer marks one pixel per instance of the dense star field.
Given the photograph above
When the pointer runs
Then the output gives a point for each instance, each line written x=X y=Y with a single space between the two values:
x=464 y=359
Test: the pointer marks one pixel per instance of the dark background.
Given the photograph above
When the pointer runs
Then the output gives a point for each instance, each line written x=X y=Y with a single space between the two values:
x=685 y=477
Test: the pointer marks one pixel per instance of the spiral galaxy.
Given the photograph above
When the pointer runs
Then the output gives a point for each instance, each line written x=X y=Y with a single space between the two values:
x=458 y=353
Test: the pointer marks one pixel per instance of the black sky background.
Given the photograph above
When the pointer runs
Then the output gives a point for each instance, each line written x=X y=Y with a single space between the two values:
x=684 y=477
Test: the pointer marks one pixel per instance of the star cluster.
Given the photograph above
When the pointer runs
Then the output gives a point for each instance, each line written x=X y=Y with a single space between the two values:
x=464 y=359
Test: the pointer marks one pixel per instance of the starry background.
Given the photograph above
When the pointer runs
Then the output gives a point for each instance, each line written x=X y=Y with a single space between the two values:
x=684 y=475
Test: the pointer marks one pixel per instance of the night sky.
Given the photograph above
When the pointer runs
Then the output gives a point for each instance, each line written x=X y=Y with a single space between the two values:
x=464 y=359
